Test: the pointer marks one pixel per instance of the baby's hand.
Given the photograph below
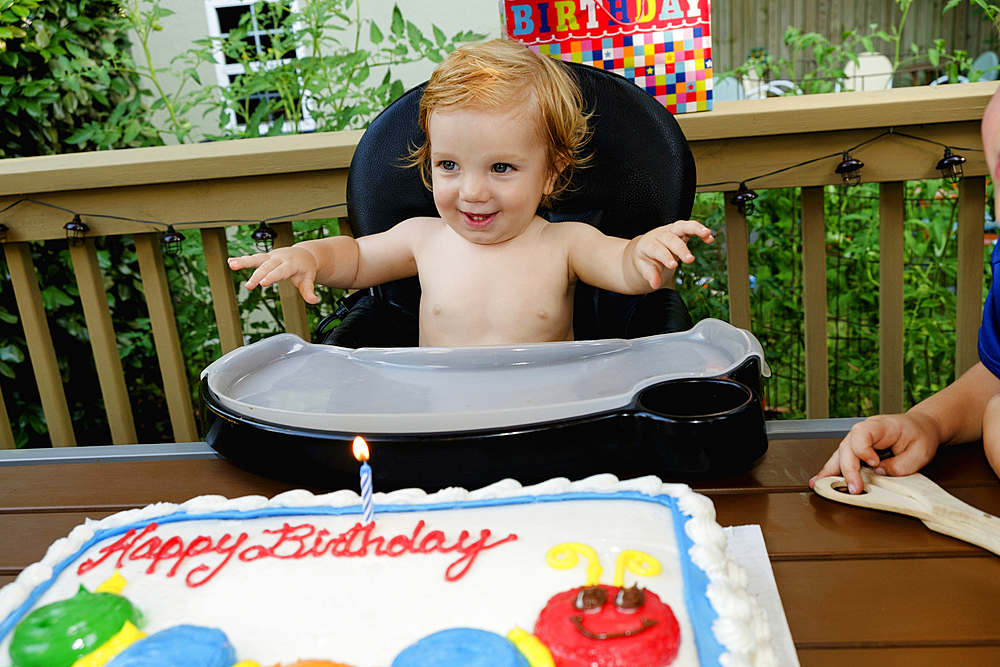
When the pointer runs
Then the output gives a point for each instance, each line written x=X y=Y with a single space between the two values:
x=912 y=438
x=664 y=247
x=295 y=264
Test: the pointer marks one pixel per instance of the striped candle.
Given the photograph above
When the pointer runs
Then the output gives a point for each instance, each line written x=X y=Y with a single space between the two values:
x=367 y=506
x=367 y=509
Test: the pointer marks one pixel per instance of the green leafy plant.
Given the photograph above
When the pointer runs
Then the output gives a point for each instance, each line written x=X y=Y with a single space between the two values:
x=825 y=72
x=314 y=68
x=852 y=240
x=55 y=97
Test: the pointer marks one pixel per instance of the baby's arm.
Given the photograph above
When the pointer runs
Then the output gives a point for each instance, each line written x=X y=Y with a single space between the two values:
x=953 y=415
x=644 y=264
x=340 y=261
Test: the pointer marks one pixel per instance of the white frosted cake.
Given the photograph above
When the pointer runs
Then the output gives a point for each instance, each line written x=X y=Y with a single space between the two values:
x=596 y=572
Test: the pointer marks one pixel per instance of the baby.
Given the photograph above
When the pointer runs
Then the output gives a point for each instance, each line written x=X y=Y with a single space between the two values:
x=505 y=131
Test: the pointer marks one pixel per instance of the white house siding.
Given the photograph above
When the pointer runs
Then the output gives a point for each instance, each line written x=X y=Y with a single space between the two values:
x=189 y=22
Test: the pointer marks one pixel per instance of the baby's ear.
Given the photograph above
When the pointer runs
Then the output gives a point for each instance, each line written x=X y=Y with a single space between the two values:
x=554 y=172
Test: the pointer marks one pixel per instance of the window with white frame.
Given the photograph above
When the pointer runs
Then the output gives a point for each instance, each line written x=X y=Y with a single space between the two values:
x=225 y=16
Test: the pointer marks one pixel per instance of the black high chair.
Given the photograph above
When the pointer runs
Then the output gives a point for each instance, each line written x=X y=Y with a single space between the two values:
x=641 y=176
x=667 y=415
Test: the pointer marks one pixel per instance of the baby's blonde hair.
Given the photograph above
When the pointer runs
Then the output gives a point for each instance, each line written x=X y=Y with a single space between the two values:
x=496 y=75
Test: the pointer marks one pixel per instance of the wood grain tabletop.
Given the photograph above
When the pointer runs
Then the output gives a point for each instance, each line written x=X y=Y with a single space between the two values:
x=859 y=586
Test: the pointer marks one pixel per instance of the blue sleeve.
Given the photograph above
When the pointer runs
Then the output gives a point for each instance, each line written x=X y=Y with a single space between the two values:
x=989 y=332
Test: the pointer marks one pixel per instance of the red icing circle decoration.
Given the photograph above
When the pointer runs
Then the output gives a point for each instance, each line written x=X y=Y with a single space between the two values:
x=647 y=636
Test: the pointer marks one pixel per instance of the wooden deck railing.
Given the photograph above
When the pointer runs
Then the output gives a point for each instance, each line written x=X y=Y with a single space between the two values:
x=264 y=178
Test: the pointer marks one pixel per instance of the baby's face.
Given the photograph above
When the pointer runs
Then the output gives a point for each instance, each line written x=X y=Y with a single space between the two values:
x=489 y=170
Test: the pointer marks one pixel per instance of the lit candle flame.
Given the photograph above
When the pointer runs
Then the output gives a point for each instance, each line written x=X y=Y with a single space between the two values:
x=360 y=449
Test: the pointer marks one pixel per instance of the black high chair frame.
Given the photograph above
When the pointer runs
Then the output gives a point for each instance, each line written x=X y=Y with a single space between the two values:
x=641 y=176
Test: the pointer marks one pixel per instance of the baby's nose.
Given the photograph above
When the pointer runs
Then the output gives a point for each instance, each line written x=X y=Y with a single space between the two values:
x=474 y=188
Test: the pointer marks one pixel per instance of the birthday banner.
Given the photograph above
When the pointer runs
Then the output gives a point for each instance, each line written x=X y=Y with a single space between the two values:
x=664 y=46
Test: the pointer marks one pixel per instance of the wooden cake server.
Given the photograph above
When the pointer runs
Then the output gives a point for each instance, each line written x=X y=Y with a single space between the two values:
x=917 y=496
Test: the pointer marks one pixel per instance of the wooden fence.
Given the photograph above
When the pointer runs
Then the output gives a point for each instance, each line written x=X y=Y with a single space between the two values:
x=741 y=25
x=261 y=178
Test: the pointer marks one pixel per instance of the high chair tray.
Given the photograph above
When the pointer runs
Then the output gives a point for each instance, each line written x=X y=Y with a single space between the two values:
x=503 y=398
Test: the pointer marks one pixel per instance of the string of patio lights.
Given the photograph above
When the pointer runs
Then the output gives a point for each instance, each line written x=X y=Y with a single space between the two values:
x=849 y=169
x=264 y=235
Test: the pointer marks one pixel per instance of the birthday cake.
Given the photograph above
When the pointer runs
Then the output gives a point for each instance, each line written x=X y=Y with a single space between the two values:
x=597 y=572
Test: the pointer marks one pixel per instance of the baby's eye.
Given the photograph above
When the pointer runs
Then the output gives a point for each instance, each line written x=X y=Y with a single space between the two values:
x=502 y=168
x=447 y=165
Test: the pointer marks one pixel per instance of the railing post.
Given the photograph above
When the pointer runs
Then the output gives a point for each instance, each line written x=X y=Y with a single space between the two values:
x=814 y=302
x=6 y=432
x=165 y=337
x=220 y=281
x=969 y=288
x=41 y=350
x=737 y=265
x=104 y=343
x=892 y=213
x=293 y=307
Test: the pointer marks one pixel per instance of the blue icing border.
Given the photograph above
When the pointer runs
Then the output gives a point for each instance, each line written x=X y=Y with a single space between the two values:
x=699 y=610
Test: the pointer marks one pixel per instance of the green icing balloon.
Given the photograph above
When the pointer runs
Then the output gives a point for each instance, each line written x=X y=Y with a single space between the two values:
x=56 y=635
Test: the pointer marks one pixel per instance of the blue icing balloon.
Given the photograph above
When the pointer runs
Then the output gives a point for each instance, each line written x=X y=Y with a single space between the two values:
x=179 y=646
x=463 y=647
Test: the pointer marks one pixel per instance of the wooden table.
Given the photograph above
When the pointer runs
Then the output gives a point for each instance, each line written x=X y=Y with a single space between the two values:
x=859 y=587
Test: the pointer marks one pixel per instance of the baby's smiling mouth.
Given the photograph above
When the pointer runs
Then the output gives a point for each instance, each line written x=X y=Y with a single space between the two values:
x=478 y=220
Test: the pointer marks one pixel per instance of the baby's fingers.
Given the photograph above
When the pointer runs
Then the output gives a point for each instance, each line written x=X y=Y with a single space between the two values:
x=247 y=261
x=688 y=228
x=306 y=289
x=668 y=249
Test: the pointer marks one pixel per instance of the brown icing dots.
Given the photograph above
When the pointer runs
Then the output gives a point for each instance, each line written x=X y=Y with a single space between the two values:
x=632 y=597
x=591 y=597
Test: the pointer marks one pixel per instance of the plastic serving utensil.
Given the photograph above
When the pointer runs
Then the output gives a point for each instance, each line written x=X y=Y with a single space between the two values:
x=919 y=497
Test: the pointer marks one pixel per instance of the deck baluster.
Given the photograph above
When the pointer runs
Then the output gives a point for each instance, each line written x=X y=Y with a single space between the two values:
x=892 y=213
x=814 y=303
x=41 y=349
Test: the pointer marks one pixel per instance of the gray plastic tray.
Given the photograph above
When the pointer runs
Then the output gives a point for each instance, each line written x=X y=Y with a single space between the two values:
x=287 y=381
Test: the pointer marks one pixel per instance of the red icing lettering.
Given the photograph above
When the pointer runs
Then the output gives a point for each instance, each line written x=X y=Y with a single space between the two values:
x=219 y=548
x=122 y=545
x=198 y=546
x=287 y=543
x=470 y=552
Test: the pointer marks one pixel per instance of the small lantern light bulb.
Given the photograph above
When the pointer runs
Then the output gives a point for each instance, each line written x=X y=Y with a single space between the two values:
x=951 y=166
x=263 y=237
x=76 y=231
x=850 y=170
x=171 y=241
x=743 y=200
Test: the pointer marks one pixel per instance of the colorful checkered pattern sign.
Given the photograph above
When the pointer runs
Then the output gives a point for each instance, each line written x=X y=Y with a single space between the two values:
x=664 y=46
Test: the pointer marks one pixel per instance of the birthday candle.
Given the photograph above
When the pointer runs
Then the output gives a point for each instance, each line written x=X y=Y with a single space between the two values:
x=367 y=507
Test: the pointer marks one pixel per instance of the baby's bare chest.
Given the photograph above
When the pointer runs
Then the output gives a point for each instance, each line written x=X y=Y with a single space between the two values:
x=496 y=298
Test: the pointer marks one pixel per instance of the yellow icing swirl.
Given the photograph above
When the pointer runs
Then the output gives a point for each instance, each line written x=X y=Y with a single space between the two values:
x=109 y=649
x=113 y=584
x=638 y=562
x=531 y=647
x=565 y=556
